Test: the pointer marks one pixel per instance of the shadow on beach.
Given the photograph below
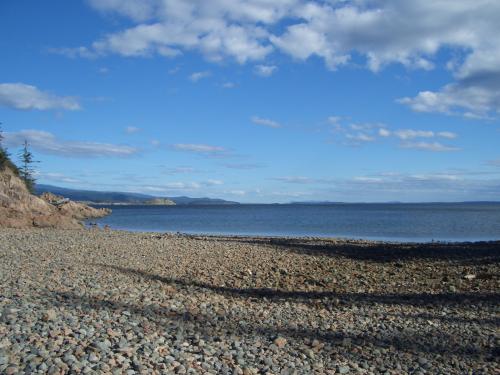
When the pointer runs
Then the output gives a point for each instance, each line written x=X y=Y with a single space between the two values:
x=465 y=253
x=415 y=299
x=411 y=341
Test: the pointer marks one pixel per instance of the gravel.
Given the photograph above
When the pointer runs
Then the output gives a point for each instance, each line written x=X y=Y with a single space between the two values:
x=91 y=301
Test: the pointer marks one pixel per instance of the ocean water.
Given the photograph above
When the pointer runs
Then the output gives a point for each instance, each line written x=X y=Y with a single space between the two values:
x=394 y=222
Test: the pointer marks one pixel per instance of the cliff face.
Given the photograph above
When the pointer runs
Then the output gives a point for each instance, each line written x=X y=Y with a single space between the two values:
x=76 y=210
x=20 y=209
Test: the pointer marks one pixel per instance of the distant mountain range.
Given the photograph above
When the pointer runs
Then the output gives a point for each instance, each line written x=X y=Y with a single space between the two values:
x=112 y=197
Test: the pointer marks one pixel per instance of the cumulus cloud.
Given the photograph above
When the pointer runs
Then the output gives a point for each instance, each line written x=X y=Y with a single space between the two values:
x=196 y=76
x=47 y=143
x=410 y=134
x=265 y=70
x=265 y=122
x=360 y=137
x=27 y=97
x=384 y=132
x=358 y=133
x=473 y=101
x=410 y=33
x=138 y=10
x=405 y=134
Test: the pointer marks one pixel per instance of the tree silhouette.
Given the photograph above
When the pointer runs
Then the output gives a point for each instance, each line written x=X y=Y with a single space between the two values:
x=26 y=171
x=4 y=156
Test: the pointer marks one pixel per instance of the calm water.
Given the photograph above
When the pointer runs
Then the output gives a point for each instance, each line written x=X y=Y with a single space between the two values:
x=404 y=222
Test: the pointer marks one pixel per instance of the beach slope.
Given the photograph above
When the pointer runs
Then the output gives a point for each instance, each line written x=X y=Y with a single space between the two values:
x=91 y=301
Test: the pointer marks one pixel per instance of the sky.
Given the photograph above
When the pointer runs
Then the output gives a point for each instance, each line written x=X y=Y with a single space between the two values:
x=257 y=100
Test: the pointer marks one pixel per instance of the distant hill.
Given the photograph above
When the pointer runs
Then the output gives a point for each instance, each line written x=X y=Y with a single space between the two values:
x=112 y=197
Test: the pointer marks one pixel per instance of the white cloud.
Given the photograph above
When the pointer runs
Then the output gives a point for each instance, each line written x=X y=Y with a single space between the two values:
x=410 y=134
x=196 y=76
x=27 y=97
x=56 y=177
x=238 y=193
x=428 y=146
x=202 y=149
x=368 y=179
x=228 y=85
x=178 y=170
x=410 y=33
x=334 y=120
x=360 y=137
x=47 y=143
x=213 y=182
x=448 y=135
x=371 y=132
x=473 y=101
x=265 y=122
x=384 y=132
x=265 y=70
x=132 y=129
x=138 y=10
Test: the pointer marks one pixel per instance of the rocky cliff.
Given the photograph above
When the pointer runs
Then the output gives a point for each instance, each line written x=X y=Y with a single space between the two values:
x=76 y=210
x=20 y=209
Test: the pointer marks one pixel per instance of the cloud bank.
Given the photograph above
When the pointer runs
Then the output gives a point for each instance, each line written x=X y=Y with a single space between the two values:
x=27 y=97
x=47 y=143
x=383 y=32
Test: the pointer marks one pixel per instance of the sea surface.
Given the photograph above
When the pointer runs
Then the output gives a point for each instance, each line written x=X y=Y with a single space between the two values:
x=392 y=222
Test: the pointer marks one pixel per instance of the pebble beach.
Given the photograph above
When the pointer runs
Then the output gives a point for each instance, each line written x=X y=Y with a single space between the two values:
x=111 y=302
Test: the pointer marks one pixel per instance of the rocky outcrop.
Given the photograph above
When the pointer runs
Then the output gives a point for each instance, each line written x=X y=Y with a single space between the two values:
x=21 y=209
x=76 y=210
x=160 y=202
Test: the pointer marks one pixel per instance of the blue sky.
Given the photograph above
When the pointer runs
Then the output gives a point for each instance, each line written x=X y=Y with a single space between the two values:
x=257 y=100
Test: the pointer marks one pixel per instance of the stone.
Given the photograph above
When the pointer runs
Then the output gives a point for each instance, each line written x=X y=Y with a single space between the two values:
x=280 y=342
x=49 y=315
x=343 y=369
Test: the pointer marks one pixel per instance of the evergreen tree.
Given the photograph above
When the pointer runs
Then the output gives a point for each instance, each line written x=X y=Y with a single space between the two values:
x=4 y=156
x=26 y=170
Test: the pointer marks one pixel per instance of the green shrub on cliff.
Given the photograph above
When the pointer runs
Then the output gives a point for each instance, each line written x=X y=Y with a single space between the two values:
x=5 y=161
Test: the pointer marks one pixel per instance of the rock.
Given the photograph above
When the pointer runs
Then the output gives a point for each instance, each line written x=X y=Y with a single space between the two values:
x=280 y=342
x=422 y=361
x=49 y=315
x=11 y=370
x=343 y=369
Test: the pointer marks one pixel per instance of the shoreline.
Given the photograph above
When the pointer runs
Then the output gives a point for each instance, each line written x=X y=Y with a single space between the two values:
x=299 y=237
x=84 y=301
